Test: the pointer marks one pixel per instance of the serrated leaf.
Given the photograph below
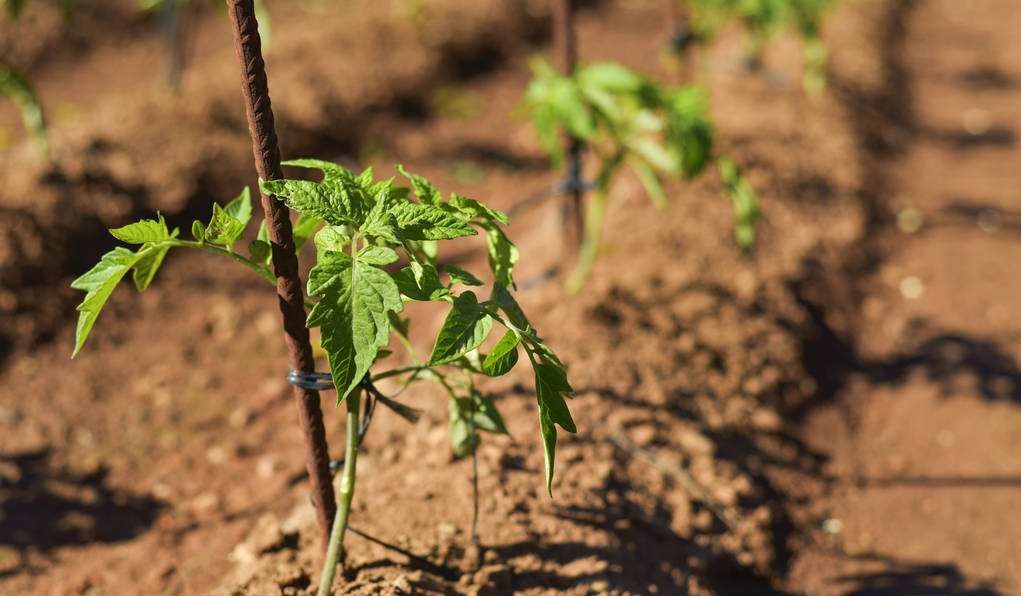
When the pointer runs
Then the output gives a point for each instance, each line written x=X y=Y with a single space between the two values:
x=420 y=281
x=551 y=387
x=332 y=238
x=333 y=204
x=504 y=355
x=98 y=283
x=424 y=190
x=458 y=275
x=467 y=325
x=377 y=255
x=140 y=232
x=473 y=208
x=223 y=229
x=353 y=315
x=415 y=221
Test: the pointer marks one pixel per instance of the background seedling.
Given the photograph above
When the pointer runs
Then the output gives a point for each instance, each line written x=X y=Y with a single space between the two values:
x=628 y=120
x=761 y=20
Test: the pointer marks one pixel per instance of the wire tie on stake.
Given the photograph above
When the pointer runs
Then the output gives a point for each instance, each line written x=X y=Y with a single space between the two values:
x=313 y=381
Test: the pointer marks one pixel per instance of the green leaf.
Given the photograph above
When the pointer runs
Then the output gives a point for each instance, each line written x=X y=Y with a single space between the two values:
x=333 y=204
x=241 y=207
x=260 y=250
x=478 y=411
x=353 y=315
x=504 y=355
x=98 y=283
x=487 y=417
x=140 y=232
x=503 y=298
x=421 y=281
x=611 y=77
x=551 y=387
x=424 y=190
x=332 y=238
x=198 y=230
x=147 y=266
x=458 y=275
x=304 y=228
x=465 y=328
x=414 y=221
x=473 y=208
x=224 y=229
x=16 y=87
x=650 y=181
x=689 y=130
x=377 y=255
x=503 y=255
x=745 y=203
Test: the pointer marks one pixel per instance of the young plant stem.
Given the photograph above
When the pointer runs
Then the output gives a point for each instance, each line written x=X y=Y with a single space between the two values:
x=566 y=44
x=346 y=491
x=594 y=224
x=291 y=297
x=590 y=244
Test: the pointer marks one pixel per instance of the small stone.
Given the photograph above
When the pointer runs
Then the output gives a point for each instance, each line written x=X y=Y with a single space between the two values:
x=910 y=220
x=267 y=467
x=911 y=287
x=205 y=502
x=833 y=526
x=216 y=455
x=239 y=418
x=989 y=220
x=401 y=585
x=976 y=121
x=447 y=530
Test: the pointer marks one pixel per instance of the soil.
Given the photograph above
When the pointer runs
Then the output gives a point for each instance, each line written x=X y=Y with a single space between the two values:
x=780 y=421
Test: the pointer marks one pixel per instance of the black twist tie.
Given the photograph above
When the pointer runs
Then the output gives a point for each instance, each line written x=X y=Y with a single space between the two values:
x=313 y=381
x=573 y=184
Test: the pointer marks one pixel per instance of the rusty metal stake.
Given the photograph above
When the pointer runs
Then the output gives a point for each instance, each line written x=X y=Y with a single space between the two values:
x=285 y=262
x=566 y=47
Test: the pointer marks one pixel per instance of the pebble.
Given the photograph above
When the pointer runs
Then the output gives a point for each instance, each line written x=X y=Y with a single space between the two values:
x=911 y=287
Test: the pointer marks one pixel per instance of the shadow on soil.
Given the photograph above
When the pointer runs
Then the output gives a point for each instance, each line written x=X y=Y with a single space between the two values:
x=885 y=125
x=918 y=579
x=44 y=507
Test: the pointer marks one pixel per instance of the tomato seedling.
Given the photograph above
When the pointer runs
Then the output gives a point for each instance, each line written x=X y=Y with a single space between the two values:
x=376 y=249
x=761 y=20
x=627 y=120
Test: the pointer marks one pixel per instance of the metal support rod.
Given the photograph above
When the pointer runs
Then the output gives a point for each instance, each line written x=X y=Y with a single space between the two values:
x=566 y=46
x=285 y=261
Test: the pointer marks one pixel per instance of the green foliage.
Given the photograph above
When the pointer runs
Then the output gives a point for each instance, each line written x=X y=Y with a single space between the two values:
x=762 y=19
x=17 y=88
x=372 y=225
x=617 y=112
x=745 y=202
x=626 y=120
x=376 y=249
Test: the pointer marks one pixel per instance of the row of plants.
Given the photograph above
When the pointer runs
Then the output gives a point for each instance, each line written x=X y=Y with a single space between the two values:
x=377 y=245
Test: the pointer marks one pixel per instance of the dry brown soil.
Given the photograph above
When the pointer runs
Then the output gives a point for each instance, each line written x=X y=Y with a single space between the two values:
x=843 y=438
